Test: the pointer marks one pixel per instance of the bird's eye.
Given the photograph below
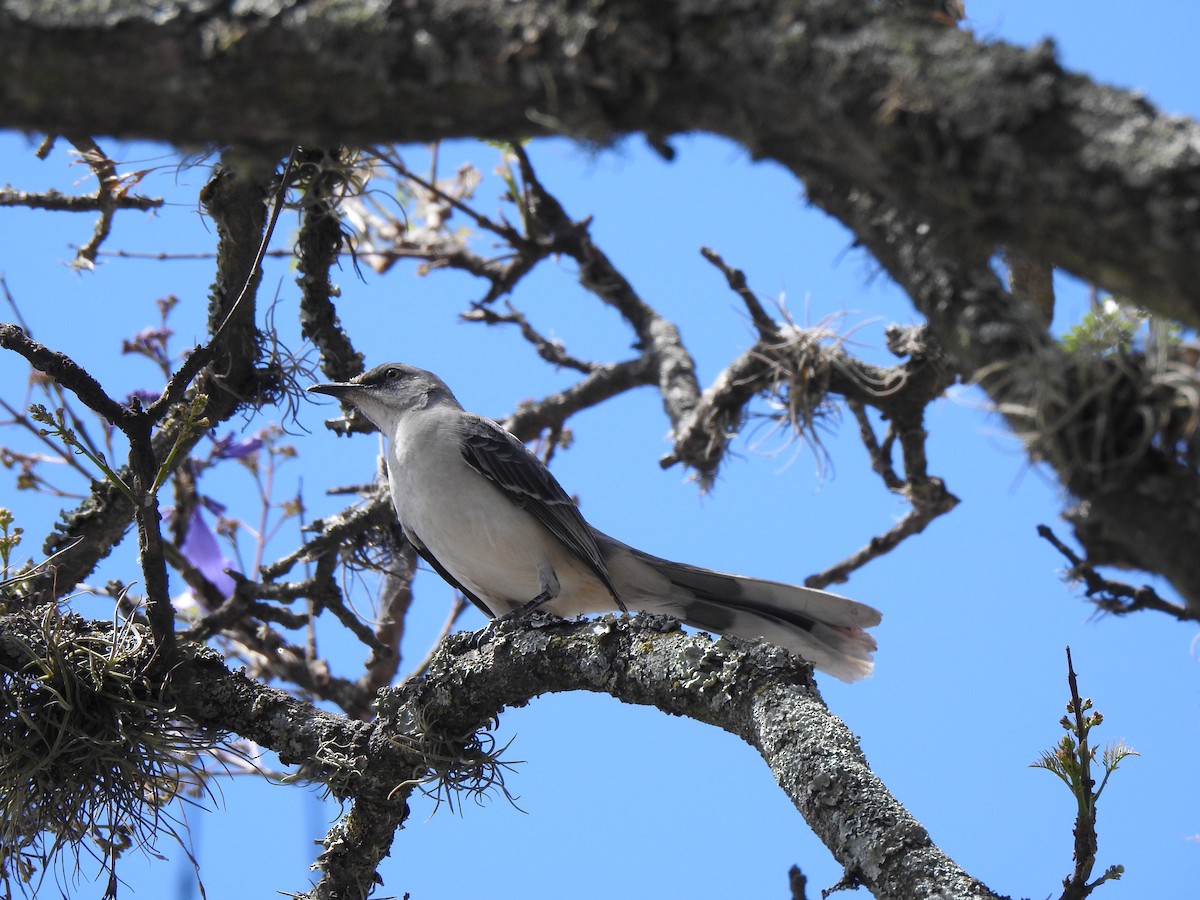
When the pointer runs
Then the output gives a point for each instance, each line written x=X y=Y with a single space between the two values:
x=391 y=373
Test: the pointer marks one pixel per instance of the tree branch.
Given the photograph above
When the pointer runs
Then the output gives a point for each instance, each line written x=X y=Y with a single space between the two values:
x=65 y=371
x=317 y=247
x=658 y=338
x=756 y=692
x=436 y=727
x=86 y=535
x=1115 y=597
x=999 y=140
x=1094 y=421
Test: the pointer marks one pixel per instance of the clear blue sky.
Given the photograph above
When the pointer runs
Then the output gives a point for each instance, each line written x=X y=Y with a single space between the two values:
x=621 y=800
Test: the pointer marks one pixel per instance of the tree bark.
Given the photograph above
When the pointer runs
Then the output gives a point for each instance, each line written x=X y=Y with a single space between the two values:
x=1000 y=141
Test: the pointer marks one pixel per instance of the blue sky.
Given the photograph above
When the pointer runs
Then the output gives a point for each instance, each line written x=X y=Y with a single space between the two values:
x=970 y=673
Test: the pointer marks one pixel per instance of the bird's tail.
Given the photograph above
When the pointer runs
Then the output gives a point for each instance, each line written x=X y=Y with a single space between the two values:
x=825 y=629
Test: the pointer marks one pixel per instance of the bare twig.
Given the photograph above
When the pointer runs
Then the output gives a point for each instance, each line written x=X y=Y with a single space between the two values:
x=938 y=501
x=332 y=531
x=881 y=454
x=107 y=192
x=1086 y=843
x=56 y=201
x=768 y=328
x=797 y=884
x=659 y=339
x=550 y=350
x=66 y=372
x=602 y=383
x=19 y=418
x=500 y=229
x=1115 y=597
x=112 y=194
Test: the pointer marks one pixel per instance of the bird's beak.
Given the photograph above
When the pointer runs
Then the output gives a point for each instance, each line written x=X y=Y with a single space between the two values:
x=333 y=389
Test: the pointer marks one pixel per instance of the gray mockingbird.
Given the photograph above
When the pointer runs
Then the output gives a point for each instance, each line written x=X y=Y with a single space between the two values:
x=485 y=512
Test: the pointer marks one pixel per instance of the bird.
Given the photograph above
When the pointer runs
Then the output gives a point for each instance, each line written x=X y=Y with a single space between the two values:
x=489 y=517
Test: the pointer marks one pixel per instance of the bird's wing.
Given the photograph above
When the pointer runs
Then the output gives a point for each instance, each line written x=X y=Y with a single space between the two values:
x=419 y=546
x=507 y=463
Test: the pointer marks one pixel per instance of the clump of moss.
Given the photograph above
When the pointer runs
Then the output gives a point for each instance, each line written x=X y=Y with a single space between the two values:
x=90 y=750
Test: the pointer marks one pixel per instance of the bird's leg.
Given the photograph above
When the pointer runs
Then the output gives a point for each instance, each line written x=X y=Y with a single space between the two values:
x=485 y=634
x=549 y=590
x=528 y=607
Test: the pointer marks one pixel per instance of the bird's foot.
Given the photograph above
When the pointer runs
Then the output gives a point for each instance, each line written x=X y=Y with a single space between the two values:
x=528 y=608
x=516 y=614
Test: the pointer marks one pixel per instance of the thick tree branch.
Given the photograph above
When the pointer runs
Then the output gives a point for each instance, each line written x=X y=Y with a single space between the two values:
x=320 y=241
x=758 y=693
x=999 y=140
x=435 y=728
x=1094 y=421
x=353 y=850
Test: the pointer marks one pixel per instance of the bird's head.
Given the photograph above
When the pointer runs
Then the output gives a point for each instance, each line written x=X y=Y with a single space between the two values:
x=387 y=393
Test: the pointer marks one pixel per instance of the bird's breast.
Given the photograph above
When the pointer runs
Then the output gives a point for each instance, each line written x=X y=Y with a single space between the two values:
x=490 y=545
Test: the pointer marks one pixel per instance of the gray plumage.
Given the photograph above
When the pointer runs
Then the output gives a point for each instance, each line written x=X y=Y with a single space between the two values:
x=492 y=520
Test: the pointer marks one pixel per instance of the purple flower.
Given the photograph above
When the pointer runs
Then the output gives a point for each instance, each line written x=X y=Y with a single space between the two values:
x=151 y=342
x=201 y=550
x=227 y=448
